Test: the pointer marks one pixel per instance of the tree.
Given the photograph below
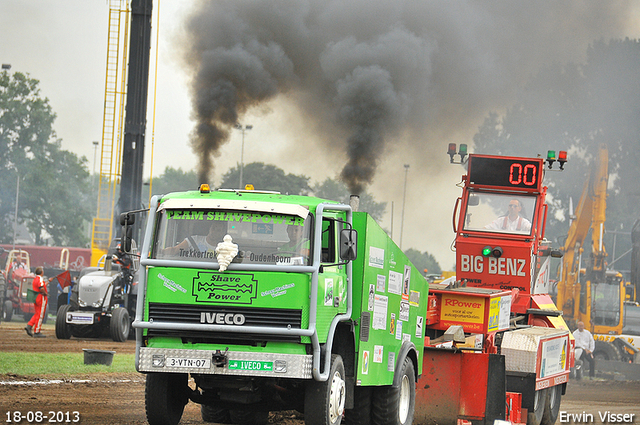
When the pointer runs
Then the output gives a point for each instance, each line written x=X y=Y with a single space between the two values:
x=266 y=177
x=335 y=190
x=174 y=180
x=423 y=261
x=576 y=107
x=53 y=182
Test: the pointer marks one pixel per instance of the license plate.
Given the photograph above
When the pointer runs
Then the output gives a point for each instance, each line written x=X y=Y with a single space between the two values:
x=250 y=365
x=188 y=363
x=80 y=318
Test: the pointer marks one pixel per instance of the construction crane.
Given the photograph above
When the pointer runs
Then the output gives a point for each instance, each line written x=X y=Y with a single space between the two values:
x=587 y=290
x=123 y=128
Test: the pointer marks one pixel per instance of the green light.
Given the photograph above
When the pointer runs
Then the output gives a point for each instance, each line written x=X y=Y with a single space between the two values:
x=551 y=155
x=463 y=149
x=486 y=251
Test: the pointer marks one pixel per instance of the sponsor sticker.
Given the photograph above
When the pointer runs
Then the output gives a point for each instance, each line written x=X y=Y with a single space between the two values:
x=250 y=365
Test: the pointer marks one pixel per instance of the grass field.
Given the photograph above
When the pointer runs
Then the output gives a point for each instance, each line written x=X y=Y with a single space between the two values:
x=56 y=364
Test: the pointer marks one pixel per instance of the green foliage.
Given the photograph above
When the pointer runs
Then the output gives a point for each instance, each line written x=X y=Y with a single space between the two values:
x=334 y=190
x=56 y=364
x=576 y=108
x=266 y=177
x=174 y=180
x=423 y=260
x=53 y=182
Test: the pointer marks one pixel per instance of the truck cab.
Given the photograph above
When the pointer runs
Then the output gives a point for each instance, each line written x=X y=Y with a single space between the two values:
x=275 y=302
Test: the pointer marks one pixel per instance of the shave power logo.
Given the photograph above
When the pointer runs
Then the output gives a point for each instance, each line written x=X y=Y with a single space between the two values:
x=225 y=288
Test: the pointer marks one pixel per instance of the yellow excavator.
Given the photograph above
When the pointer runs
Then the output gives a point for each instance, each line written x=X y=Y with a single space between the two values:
x=587 y=291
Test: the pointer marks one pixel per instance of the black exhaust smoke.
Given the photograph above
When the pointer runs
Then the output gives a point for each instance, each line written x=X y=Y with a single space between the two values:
x=364 y=72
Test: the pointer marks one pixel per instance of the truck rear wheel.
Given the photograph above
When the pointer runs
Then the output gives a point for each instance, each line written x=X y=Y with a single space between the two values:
x=249 y=417
x=395 y=405
x=63 y=329
x=165 y=395
x=539 y=400
x=361 y=412
x=120 y=325
x=324 y=401
x=213 y=413
x=552 y=405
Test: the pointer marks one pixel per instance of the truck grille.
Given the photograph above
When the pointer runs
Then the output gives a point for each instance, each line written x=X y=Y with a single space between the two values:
x=189 y=314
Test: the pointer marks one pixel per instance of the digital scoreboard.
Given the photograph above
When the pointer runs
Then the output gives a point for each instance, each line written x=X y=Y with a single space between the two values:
x=505 y=172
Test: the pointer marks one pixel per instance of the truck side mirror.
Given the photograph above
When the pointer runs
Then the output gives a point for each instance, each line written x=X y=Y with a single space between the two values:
x=556 y=253
x=348 y=244
x=126 y=221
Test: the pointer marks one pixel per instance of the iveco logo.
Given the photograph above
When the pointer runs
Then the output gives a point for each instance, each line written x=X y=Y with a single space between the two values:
x=222 y=318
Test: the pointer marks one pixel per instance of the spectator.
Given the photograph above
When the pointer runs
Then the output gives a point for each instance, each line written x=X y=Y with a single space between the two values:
x=585 y=340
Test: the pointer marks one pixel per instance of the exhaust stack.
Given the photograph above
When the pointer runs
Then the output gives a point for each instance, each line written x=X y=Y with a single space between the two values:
x=354 y=202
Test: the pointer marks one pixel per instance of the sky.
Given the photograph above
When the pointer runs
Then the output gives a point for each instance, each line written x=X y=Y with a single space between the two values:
x=444 y=66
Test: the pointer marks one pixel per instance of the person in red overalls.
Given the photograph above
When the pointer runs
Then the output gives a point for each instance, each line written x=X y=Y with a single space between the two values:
x=39 y=285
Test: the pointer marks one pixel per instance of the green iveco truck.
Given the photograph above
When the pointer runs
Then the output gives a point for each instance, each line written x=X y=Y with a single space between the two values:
x=251 y=302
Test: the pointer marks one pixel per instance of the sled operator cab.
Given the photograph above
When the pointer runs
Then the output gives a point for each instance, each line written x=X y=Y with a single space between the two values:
x=500 y=222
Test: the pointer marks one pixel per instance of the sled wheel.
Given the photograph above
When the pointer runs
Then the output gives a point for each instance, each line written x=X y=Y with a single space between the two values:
x=539 y=400
x=552 y=405
x=361 y=412
x=395 y=405
x=213 y=413
x=120 y=325
x=63 y=330
x=324 y=401
x=165 y=395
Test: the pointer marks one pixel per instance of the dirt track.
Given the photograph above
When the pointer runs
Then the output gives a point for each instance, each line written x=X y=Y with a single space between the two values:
x=119 y=399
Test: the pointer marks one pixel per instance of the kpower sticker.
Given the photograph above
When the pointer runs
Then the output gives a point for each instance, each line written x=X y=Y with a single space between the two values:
x=236 y=288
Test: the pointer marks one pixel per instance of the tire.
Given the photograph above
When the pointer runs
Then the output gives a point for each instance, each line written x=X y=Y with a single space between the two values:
x=63 y=329
x=165 y=395
x=249 y=417
x=119 y=325
x=213 y=413
x=606 y=351
x=552 y=405
x=535 y=415
x=7 y=311
x=361 y=412
x=324 y=401
x=395 y=405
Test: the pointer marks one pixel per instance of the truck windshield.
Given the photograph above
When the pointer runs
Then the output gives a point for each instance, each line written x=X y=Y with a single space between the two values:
x=503 y=213
x=261 y=238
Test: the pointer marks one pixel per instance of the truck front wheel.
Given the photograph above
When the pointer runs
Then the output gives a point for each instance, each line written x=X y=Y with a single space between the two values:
x=165 y=395
x=395 y=405
x=324 y=401
x=63 y=329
